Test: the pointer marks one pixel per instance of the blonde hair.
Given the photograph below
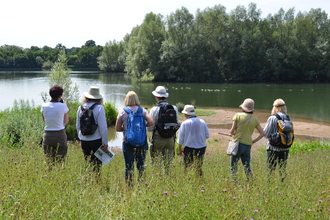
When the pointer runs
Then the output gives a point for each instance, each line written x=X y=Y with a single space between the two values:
x=279 y=106
x=132 y=99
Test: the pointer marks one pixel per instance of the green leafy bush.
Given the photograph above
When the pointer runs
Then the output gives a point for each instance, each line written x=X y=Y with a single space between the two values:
x=111 y=112
x=180 y=106
x=21 y=125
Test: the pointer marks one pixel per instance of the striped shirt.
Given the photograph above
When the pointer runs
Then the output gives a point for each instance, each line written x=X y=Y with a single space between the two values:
x=271 y=130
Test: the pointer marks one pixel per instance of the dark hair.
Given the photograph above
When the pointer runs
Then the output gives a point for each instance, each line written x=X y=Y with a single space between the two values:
x=56 y=91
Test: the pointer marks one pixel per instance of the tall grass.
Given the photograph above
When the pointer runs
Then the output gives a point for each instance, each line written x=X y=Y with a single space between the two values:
x=29 y=190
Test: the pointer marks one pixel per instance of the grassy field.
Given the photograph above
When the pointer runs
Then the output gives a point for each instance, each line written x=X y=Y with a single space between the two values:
x=30 y=190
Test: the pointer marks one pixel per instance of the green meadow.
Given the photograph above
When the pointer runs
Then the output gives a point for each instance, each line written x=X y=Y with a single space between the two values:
x=30 y=189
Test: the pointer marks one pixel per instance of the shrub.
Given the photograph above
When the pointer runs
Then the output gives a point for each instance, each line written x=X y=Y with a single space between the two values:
x=70 y=128
x=111 y=112
x=21 y=125
x=180 y=106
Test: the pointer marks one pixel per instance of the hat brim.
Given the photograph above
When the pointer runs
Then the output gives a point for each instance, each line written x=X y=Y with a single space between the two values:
x=246 y=110
x=187 y=113
x=159 y=94
x=89 y=96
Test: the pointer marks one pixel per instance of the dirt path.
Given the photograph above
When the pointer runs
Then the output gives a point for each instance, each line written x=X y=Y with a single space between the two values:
x=222 y=120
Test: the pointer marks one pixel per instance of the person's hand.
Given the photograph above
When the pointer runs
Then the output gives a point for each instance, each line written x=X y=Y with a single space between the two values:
x=105 y=148
x=181 y=153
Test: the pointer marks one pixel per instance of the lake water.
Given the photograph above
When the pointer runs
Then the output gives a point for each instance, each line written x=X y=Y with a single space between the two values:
x=306 y=100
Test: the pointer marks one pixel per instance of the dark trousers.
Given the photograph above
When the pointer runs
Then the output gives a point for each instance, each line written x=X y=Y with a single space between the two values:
x=89 y=148
x=279 y=158
x=192 y=154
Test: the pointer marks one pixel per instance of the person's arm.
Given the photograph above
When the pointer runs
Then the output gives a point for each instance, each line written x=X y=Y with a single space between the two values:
x=233 y=128
x=180 y=150
x=261 y=134
x=102 y=125
x=119 y=125
x=154 y=117
x=66 y=118
x=149 y=119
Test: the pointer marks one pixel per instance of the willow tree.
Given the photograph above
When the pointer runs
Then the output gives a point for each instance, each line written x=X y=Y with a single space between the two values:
x=143 y=47
x=60 y=75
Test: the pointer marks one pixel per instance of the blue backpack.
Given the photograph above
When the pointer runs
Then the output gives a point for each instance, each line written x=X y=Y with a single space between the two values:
x=136 y=134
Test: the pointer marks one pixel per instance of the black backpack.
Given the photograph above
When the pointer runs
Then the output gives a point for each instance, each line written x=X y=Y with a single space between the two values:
x=87 y=121
x=167 y=124
x=284 y=136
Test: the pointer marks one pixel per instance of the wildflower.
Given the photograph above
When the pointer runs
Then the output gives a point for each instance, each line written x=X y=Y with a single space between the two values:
x=234 y=198
x=145 y=165
x=320 y=200
x=256 y=210
x=278 y=192
x=10 y=196
x=165 y=192
x=202 y=190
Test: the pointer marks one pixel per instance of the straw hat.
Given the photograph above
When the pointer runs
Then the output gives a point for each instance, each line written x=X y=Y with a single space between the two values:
x=160 y=91
x=248 y=105
x=188 y=110
x=93 y=93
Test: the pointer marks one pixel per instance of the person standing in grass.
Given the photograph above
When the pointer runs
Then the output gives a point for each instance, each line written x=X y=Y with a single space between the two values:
x=276 y=155
x=90 y=143
x=192 y=136
x=161 y=147
x=242 y=129
x=55 y=116
x=131 y=153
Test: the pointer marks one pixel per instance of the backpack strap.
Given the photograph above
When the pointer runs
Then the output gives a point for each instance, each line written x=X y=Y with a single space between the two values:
x=278 y=116
x=287 y=117
x=127 y=110
x=91 y=108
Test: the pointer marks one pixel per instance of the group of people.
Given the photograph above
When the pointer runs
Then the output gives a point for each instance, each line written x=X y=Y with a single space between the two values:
x=191 y=138
x=242 y=129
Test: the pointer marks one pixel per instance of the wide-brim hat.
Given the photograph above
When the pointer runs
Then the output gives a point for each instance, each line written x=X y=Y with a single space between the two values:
x=248 y=105
x=160 y=91
x=93 y=93
x=188 y=110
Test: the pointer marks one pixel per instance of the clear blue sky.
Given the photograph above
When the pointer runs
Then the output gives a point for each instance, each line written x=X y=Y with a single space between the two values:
x=29 y=23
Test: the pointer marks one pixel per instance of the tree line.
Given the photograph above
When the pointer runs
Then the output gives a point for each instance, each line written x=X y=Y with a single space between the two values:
x=12 y=56
x=215 y=46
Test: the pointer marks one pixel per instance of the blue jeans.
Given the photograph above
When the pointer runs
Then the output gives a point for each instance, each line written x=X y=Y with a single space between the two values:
x=131 y=155
x=244 y=153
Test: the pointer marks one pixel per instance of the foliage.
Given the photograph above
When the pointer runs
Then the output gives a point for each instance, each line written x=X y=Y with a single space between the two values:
x=60 y=75
x=213 y=46
x=109 y=60
x=21 y=125
x=203 y=112
x=111 y=112
x=70 y=128
x=47 y=65
x=180 y=195
x=308 y=147
x=180 y=106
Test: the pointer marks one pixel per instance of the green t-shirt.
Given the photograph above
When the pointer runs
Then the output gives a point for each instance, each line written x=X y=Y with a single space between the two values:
x=248 y=127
